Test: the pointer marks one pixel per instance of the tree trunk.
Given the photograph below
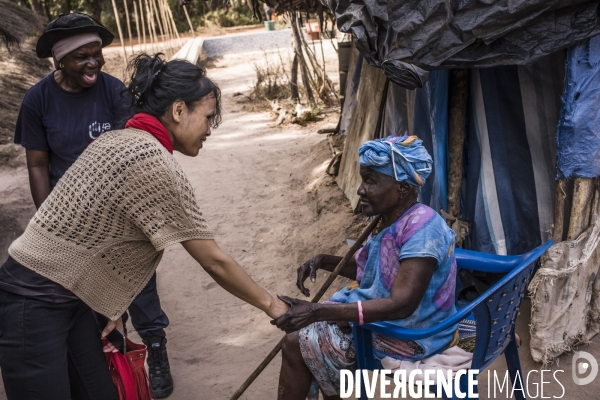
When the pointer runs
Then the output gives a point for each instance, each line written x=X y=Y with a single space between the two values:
x=47 y=9
x=95 y=6
x=294 y=80
x=298 y=51
x=36 y=7
x=459 y=91
x=65 y=6
x=560 y=193
x=583 y=192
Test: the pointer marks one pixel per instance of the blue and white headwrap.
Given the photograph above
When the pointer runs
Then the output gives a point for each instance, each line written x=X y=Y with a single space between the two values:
x=403 y=158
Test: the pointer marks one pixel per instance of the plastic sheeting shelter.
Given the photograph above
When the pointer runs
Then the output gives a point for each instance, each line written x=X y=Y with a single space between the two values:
x=406 y=37
x=508 y=171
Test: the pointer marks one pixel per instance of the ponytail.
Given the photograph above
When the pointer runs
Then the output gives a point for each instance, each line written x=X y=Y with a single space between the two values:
x=156 y=84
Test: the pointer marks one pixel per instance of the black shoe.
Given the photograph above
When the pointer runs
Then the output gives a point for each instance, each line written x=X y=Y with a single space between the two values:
x=158 y=367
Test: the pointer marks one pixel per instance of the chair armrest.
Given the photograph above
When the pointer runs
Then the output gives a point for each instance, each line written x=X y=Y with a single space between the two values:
x=388 y=329
x=484 y=262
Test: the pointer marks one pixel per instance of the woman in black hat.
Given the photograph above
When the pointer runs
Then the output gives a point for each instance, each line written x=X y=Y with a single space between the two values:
x=59 y=117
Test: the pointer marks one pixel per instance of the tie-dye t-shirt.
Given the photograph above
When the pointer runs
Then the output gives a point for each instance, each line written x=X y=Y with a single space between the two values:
x=420 y=232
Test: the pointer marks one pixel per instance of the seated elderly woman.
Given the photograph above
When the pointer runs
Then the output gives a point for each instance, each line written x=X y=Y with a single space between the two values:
x=405 y=274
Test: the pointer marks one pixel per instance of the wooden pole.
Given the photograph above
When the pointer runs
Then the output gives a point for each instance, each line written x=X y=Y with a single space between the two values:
x=457 y=114
x=294 y=80
x=137 y=25
x=162 y=13
x=172 y=20
x=128 y=25
x=302 y=62
x=151 y=27
x=156 y=14
x=315 y=299
x=114 y=4
x=142 y=24
x=581 y=207
x=560 y=192
x=187 y=16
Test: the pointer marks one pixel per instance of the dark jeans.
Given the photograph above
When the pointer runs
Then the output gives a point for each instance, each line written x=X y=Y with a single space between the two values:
x=147 y=317
x=51 y=351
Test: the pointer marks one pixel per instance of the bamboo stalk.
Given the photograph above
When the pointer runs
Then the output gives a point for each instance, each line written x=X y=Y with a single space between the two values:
x=187 y=16
x=151 y=27
x=153 y=6
x=137 y=24
x=162 y=14
x=559 y=210
x=114 y=4
x=128 y=25
x=142 y=23
x=315 y=299
x=174 y=26
x=581 y=207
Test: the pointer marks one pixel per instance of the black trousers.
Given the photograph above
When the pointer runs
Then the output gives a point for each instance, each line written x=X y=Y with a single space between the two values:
x=147 y=317
x=51 y=351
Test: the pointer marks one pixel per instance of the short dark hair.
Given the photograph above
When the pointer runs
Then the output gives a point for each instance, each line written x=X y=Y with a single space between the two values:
x=156 y=84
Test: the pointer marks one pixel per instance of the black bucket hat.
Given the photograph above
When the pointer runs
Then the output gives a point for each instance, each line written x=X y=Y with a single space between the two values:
x=68 y=25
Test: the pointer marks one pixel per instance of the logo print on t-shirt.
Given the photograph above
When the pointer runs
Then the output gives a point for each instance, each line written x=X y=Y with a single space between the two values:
x=96 y=129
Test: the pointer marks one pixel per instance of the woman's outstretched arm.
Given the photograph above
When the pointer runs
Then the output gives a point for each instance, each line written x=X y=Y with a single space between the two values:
x=228 y=273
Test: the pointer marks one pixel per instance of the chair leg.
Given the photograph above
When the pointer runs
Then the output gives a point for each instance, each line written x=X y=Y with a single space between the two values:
x=513 y=362
x=464 y=388
x=363 y=341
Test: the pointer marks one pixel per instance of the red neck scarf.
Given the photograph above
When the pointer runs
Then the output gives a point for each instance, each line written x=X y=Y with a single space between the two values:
x=153 y=126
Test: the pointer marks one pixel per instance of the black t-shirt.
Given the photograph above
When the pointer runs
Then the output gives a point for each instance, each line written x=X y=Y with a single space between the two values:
x=63 y=124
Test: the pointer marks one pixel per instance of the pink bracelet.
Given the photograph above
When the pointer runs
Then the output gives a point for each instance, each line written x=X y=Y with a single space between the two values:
x=360 y=314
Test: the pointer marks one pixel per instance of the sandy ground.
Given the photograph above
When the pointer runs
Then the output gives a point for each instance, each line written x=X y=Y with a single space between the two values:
x=264 y=192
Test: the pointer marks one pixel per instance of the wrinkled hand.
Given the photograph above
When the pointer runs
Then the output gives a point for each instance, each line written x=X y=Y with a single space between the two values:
x=300 y=314
x=109 y=348
x=307 y=269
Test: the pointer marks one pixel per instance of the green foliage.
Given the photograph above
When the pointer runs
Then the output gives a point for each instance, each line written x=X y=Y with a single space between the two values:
x=237 y=15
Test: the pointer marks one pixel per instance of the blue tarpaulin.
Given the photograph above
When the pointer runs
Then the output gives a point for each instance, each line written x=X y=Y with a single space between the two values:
x=578 y=132
x=508 y=191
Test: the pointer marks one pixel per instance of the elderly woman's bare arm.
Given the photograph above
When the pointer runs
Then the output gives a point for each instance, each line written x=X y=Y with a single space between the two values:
x=325 y=262
x=407 y=292
x=231 y=277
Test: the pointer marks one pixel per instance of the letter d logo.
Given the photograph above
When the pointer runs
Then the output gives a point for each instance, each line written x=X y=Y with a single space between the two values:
x=583 y=367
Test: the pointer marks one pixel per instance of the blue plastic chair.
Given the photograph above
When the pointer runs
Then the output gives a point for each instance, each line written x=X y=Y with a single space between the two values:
x=495 y=313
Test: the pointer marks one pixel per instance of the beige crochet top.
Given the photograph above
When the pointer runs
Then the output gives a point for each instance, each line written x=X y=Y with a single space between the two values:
x=102 y=231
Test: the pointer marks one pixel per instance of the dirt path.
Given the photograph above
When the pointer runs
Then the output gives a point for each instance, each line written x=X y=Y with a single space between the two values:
x=264 y=192
x=250 y=183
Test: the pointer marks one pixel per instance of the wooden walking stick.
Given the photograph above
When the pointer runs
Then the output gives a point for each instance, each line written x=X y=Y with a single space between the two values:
x=315 y=299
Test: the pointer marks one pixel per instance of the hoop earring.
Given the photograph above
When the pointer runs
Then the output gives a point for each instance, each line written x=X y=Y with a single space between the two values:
x=61 y=66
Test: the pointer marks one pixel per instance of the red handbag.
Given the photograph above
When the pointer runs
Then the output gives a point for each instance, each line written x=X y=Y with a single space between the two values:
x=129 y=374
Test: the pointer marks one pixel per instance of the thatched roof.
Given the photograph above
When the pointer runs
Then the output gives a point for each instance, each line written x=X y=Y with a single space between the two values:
x=17 y=23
